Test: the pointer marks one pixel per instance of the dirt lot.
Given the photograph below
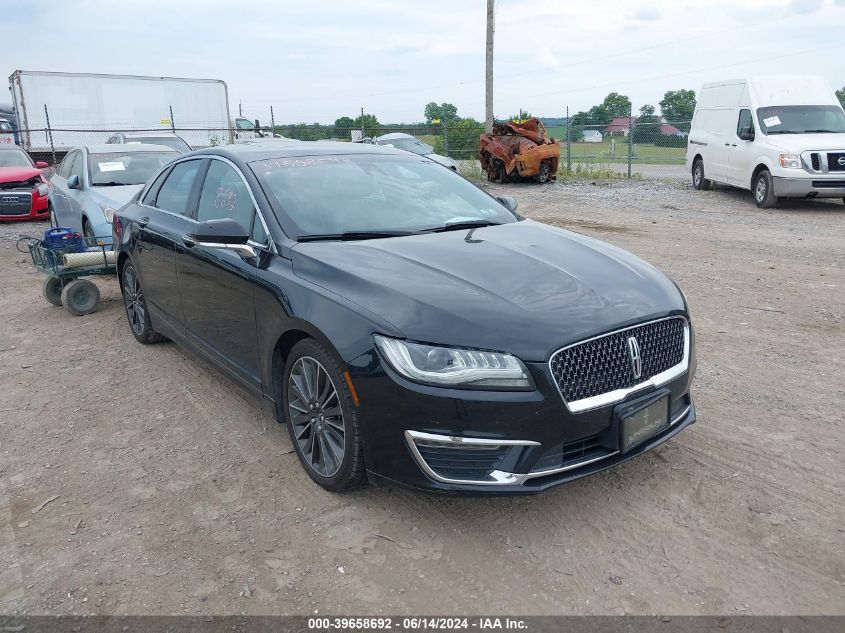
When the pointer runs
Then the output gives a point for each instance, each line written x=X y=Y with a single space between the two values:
x=168 y=491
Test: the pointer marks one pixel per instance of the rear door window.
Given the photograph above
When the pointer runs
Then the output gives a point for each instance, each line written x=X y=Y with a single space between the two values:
x=175 y=192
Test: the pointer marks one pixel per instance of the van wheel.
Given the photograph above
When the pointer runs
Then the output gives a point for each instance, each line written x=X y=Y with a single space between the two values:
x=698 y=180
x=764 y=194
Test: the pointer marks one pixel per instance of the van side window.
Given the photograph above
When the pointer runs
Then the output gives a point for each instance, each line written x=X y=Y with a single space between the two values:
x=745 y=121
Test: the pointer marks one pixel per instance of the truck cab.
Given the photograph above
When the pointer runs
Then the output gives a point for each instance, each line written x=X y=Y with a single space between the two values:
x=777 y=136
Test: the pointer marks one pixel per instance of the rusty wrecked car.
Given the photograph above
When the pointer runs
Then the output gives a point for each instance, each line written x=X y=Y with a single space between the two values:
x=519 y=151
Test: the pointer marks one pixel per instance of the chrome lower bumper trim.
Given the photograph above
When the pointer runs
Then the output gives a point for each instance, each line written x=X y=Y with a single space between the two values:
x=498 y=477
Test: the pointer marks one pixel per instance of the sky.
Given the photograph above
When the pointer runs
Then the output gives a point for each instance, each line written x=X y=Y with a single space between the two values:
x=317 y=61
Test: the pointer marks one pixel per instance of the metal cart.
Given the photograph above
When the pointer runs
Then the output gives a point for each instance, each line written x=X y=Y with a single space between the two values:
x=66 y=266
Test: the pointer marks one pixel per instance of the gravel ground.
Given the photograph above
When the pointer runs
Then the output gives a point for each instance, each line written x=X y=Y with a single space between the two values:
x=135 y=480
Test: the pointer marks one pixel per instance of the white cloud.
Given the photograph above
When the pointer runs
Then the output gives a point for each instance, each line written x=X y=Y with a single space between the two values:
x=391 y=56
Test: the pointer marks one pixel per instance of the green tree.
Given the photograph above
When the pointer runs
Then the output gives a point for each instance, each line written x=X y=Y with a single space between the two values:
x=369 y=124
x=344 y=122
x=677 y=107
x=647 y=126
x=463 y=136
x=446 y=112
x=841 y=94
x=432 y=111
x=617 y=105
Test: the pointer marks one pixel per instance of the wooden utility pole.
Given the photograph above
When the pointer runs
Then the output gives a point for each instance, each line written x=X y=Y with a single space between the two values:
x=488 y=83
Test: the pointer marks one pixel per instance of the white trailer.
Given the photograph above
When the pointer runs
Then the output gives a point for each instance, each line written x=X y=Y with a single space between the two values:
x=86 y=109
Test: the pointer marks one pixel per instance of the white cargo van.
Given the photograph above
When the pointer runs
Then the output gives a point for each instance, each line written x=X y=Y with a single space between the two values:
x=778 y=136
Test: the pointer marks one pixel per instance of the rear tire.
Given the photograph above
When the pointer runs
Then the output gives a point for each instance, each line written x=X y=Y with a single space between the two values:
x=698 y=180
x=135 y=305
x=52 y=290
x=545 y=172
x=81 y=297
x=322 y=418
x=764 y=194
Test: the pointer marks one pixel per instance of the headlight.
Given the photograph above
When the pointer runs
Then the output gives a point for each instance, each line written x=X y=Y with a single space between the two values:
x=42 y=190
x=790 y=161
x=108 y=212
x=452 y=367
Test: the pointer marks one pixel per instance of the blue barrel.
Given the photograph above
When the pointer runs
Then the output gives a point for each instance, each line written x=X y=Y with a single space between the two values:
x=64 y=238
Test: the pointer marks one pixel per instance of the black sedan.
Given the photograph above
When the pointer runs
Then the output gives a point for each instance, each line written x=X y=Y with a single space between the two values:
x=406 y=325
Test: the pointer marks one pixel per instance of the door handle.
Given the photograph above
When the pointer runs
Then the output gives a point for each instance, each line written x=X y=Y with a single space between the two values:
x=143 y=222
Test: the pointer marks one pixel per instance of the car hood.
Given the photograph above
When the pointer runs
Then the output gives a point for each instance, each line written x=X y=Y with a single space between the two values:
x=16 y=174
x=797 y=143
x=525 y=288
x=115 y=197
x=443 y=160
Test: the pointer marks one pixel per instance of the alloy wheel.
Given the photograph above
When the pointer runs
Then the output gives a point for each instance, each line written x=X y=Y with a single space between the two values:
x=316 y=417
x=133 y=298
x=760 y=190
x=697 y=175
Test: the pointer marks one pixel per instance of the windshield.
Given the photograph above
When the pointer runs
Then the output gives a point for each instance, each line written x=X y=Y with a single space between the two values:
x=14 y=158
x=5 y=126
x=324 y=195
x=806 y=119
x=126 y=168
x=409 y=145
x=168 y=141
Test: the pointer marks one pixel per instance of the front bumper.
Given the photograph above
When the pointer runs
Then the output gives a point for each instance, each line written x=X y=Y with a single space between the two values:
x=541 y=444
x=812 y=187
x=28 y=207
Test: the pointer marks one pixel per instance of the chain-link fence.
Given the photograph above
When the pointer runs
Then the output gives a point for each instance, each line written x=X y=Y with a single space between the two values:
x=646 y=147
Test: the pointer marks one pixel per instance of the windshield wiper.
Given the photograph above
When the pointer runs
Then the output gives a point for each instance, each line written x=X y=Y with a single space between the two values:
x=352 y=235
x=457 y=226
x=821 y=132
x=111 y=183
x=781 y=132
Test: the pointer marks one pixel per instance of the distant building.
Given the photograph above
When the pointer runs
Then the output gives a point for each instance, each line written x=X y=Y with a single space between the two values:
x=621 y=125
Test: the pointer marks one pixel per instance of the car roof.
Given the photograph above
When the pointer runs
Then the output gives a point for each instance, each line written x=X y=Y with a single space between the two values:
x=11 y=147
x=148 y=134
x=395 y=136
x=106 y=148
x=250 y=152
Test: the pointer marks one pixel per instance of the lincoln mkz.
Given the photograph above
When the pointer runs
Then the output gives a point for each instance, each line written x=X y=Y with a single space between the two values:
x=407 y=326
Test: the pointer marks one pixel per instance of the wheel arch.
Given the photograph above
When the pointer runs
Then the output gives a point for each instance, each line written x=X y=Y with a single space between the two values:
x=756 y=172
x=297 y=331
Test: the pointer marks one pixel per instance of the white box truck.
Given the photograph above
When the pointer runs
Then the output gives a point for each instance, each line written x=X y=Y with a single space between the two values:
x=86 y=109
x=777 y=136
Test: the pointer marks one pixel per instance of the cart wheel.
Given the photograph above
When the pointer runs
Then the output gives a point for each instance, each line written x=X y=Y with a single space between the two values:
x=53 y=290
x=81 y=297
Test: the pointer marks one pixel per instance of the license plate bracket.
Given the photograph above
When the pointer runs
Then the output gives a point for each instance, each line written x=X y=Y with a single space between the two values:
x=642 y=419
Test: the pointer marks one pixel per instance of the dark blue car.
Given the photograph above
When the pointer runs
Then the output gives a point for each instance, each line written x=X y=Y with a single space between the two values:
x=407 y=326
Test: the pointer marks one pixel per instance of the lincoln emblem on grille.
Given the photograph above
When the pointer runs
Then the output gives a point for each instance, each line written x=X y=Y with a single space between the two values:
x=634 y=355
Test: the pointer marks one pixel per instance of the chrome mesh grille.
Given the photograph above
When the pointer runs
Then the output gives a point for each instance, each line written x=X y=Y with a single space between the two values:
x=603 y=364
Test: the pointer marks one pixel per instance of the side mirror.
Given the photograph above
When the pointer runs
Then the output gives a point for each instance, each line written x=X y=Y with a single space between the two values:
x=73 y=182
x=746 y=134
x=41 y=164
x=225 y=234
x=509 y=203
x=224 y=231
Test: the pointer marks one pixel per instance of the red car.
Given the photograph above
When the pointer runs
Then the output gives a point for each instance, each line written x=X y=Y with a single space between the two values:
x=23 y=188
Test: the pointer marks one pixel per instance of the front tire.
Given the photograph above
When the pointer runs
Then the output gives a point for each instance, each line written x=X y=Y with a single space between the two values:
x=764 y=194
x=321 y=418
x=698 y=180
x=136 y=308
x=87 y=231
